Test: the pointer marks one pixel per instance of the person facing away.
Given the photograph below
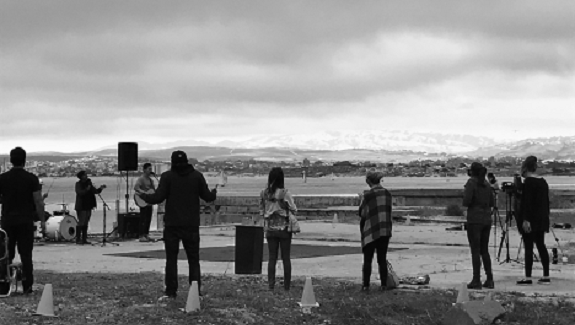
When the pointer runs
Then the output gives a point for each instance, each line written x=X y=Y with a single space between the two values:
x=182 y=187
x=375 y=226
x=533 y=219
x=85 y=203
x=143 y=185
x=478 y=198
x=494 y=188
x=22 y=203
x=276 y=203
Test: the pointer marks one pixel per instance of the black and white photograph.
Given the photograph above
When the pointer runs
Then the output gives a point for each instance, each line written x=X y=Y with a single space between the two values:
x=287 y=162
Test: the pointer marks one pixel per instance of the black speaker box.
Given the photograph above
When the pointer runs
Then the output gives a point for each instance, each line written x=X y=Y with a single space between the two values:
x=249 y=249
x=127 y=156
x=129 y=225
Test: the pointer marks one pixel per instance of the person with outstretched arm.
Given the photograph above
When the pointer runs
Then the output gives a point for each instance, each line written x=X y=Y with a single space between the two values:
x=182 y=187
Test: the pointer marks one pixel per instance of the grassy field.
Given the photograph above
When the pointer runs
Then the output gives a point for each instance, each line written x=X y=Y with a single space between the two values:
x=132 y=299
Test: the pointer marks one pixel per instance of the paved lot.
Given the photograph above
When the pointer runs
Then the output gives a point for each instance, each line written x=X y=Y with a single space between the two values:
x=442 y=254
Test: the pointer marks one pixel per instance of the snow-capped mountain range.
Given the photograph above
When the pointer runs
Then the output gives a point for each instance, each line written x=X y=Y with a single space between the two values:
x=389 y=144
x=391 y=140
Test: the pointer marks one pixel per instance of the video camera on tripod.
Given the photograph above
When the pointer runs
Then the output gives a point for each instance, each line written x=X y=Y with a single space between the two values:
x=513 y=188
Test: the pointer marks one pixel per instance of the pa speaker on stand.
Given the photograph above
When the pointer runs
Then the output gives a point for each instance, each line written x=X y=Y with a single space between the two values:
x=127 y=161
x=127 y=156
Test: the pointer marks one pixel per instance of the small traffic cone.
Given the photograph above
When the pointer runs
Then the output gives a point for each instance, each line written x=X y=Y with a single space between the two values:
x=46 y=306
x=488 y=297
x=463 y=295
x=308 y=297
x=193 y=303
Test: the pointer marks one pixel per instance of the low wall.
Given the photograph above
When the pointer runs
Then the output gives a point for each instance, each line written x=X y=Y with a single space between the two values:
x=235 y=209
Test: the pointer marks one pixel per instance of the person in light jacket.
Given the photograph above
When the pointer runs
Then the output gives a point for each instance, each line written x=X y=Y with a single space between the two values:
x=276 y=203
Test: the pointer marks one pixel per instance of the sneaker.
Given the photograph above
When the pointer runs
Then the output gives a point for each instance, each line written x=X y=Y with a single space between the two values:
x=524 y=282
x=28 y=291
x=167 y=297
x=544 y=281
x=489 y=284
x=475 y=285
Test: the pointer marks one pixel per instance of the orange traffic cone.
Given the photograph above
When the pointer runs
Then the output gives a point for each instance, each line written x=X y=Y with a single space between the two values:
x=193 y=303
x=463 y=295
x=46 y=306
x=308 y=297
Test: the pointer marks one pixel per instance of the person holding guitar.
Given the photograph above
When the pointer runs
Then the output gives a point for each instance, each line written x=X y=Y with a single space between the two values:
x=85 y=203
x=145 y=184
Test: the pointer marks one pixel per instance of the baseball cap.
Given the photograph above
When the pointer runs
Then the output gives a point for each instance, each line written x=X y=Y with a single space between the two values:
x=179 y=158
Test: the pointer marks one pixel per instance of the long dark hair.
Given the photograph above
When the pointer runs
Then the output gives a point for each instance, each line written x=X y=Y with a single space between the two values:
x=478 y=171
x=275 y=181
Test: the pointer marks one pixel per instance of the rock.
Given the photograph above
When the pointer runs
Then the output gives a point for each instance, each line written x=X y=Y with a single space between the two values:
x=481 y=311
x=456 y=316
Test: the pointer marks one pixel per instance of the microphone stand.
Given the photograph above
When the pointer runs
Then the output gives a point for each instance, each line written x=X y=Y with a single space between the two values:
x=104 y=240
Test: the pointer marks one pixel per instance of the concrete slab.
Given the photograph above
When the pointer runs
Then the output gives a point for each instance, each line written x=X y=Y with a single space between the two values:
x=444 y=255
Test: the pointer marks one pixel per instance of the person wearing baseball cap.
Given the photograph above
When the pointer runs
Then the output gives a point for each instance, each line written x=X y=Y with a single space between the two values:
x=181 y=187
x=375 y=226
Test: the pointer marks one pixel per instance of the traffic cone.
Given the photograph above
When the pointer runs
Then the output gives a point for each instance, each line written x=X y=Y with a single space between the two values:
x=46 y=306
x=489 y=296
x=308 y=297
x=335 y=220
x=193 y=303
x=463 y=295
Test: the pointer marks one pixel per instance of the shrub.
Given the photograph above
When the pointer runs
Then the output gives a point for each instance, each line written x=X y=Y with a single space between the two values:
x=453 y=210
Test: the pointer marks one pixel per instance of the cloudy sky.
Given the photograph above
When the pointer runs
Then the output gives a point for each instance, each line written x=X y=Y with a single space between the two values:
x=79 y=75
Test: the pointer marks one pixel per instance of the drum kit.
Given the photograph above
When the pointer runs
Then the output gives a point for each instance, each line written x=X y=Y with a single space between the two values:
x=59 y=227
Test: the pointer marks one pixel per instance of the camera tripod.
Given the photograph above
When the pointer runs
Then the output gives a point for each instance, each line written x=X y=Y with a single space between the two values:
x=509 y=214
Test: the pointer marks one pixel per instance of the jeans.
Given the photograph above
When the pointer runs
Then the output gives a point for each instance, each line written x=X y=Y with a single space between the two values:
x=84 y=217
x=380 y=245
x=190 y=237
x=22 y=236
x=478 y=237
x=274 y=244
x=537 y=238
x=145 y=220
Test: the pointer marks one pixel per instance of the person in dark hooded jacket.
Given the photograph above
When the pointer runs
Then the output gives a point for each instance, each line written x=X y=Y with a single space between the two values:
x=181 y=187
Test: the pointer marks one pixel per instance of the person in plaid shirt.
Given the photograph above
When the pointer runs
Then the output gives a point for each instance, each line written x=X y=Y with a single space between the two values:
x=375 y=227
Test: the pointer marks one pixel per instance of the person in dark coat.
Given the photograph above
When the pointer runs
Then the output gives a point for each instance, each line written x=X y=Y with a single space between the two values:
x=533 y=219
x=85 y=203
x=182 y=187
x=478 y=198
x=22 y=203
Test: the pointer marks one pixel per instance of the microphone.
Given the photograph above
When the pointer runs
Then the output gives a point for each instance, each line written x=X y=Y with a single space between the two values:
x=152 y=173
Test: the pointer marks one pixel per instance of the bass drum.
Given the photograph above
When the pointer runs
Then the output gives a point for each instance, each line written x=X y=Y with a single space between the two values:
x=60 y=228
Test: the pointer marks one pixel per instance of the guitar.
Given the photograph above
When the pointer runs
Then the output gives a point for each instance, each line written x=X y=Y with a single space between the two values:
x=139 y=201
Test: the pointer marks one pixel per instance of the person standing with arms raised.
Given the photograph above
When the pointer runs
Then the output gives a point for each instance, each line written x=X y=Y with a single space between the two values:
x=182 y=187
x=22 y=202
x=145 y=184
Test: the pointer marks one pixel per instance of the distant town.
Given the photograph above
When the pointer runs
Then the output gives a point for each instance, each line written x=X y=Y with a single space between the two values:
x=453 y=166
